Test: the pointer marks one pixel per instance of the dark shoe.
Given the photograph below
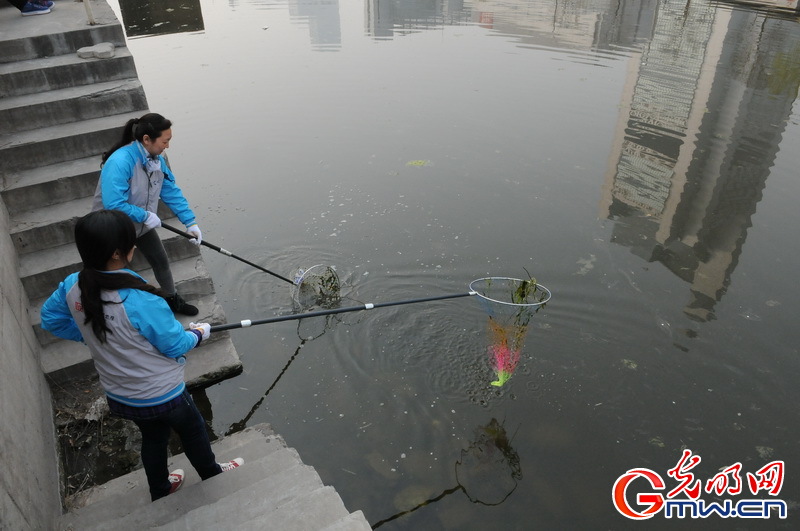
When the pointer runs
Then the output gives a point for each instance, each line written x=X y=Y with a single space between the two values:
x=178 y=305
x=34 y=8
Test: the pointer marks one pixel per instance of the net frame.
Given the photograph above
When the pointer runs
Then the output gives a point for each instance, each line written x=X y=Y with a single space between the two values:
x=319 y=285
x=546 y=293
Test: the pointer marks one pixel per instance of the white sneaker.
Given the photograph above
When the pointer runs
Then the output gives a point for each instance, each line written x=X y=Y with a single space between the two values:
x=230 y=465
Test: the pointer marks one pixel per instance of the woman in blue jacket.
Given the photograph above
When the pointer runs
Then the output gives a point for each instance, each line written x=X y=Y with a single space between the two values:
x=133 y=178
x=137 y=345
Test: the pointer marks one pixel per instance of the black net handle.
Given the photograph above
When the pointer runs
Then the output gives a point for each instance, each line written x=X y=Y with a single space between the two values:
x=225 y=252
x=369 y=306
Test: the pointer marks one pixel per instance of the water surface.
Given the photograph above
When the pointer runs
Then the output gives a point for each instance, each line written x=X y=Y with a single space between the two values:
x=639 y=158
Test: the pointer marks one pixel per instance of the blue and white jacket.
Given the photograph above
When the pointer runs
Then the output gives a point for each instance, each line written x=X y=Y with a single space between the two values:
x=128 y=185
x=142 y=361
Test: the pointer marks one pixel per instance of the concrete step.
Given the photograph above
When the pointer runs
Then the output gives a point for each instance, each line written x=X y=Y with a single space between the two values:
x=213 y=361
x=224 y=449
x=355 y=521
x=208 y=307
x=260 y=502
x=63 y=360
x=49 y=185
x=272 y=490
x=310 y=510
x=71 y=104
x=61 y=71
x=282 y=467
x=209 y=311
x=42 y=270
x=63 y=34
x=124 y=503
x=60 y=143
x=36 y=229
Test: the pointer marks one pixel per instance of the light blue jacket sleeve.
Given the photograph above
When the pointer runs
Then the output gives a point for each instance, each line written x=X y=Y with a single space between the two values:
x=173 y=197
x=152 y=317
x=55 y=314
x=115 y=185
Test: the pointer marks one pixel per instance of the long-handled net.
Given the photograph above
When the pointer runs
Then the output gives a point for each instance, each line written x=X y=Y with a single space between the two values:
x=510 y=303
x=316 y=286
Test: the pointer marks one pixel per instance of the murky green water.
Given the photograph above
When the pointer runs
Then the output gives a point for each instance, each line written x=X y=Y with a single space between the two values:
x=639 y=158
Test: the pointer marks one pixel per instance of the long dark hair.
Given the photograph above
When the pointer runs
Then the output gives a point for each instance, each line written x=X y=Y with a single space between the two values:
x=98 y=236
x=151 y=124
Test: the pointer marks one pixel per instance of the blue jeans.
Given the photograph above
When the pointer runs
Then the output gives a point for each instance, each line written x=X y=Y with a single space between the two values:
x=182 y=416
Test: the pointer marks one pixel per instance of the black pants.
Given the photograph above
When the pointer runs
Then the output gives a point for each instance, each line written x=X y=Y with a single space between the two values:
x=19 y=4
x=156 y=423
x=150 y=245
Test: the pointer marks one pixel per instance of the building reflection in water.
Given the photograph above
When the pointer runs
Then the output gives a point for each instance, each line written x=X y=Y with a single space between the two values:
x=322 y=17
x=386 y=18
x=142 y=19
x=576 y=24
x=708 y=92
x=702 y=116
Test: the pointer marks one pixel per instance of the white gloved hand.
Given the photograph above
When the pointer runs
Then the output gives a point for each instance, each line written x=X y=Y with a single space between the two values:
x=151 y=221
x=205 y=328
x=194 y=230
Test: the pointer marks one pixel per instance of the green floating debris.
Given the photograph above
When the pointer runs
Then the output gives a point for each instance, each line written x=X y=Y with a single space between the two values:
x=502 y=377
x=418 y=163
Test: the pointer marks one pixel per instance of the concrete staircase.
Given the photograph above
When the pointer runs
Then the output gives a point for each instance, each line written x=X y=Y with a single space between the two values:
x=273 y=490
x=58 y=113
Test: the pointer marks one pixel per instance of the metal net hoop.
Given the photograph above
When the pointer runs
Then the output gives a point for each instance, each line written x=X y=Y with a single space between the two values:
x=513 y=292
x=318 y=285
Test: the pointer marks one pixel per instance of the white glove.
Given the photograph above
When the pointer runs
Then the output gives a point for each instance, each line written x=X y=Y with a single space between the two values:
x=151 y=221
x=194 y=230
x=205 y=328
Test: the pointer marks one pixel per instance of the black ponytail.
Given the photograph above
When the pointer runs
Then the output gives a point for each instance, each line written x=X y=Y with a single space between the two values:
x=151 y=124
x=98 y=236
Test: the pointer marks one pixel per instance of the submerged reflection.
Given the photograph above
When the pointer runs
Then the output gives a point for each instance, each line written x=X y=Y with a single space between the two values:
x=143 y=19
x=487 y=471
x=322 y=17
x=572 y=24
x=307 y=330
x=385 y=18
x=703 y=112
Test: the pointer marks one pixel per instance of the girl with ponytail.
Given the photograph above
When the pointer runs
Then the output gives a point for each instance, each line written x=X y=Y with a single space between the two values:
x=134 y=176
x=137 y=345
